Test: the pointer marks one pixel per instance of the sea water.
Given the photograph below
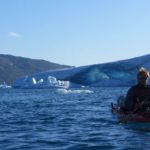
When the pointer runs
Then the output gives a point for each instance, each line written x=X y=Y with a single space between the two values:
x=60 y=119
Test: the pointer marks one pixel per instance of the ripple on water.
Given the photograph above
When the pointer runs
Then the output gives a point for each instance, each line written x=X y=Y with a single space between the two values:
x=79 y=120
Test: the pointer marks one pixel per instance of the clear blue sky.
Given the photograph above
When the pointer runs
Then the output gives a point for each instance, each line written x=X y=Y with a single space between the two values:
x=75 y=32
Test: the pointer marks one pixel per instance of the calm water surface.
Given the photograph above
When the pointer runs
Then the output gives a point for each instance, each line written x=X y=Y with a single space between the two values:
x=55 y=119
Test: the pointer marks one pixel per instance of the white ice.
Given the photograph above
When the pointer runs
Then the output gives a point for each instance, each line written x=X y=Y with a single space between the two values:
x=67 y=91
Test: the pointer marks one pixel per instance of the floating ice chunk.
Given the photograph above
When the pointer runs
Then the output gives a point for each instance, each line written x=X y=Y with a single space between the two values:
x=34 y=80
x=40 y=81
x=5 y=86
x=52 y=79
x=49 y=82
x=65 y=91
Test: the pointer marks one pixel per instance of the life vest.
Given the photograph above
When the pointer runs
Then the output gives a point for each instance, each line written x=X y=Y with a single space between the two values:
x=136 y=94
x=141 y=91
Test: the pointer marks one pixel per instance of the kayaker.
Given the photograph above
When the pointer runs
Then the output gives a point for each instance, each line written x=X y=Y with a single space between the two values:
x=137 y=93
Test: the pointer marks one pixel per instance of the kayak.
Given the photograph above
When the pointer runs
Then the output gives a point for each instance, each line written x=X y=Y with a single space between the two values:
x=129 y=117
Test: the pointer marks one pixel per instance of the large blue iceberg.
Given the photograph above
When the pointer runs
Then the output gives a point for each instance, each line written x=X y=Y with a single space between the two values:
x=119 y=73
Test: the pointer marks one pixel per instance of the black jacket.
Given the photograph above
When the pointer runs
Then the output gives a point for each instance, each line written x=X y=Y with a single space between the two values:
x=134 y=93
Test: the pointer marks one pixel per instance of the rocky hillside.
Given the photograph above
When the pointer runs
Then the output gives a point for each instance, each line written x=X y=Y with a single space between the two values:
x=12 y=67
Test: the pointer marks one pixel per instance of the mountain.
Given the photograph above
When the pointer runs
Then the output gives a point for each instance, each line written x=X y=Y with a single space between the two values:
x=118 y=73
x=13 y=67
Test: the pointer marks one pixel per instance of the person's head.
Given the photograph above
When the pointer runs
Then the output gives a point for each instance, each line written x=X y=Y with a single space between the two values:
x=142 y=76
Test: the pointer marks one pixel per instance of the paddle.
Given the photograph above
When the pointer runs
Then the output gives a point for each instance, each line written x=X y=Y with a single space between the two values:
x=125 y=118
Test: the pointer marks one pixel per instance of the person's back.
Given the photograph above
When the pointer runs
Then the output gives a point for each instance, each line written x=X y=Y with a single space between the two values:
x=139 y=92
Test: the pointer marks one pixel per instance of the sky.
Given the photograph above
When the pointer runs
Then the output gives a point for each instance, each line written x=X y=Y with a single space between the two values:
x=75 y=32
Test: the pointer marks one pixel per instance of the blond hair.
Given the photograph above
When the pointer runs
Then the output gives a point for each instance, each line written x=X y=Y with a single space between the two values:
x=143 y=73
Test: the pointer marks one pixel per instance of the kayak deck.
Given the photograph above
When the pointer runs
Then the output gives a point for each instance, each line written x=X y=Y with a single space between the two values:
x=125 y=117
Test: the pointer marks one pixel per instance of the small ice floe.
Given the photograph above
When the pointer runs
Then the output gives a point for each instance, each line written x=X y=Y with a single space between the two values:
x=5 y=86
x=67 y=91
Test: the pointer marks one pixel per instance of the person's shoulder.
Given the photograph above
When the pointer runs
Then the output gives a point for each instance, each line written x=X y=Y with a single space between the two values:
x=132 y=88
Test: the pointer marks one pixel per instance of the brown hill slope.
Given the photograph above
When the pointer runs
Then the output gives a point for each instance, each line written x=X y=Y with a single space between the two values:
x=12 y=67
